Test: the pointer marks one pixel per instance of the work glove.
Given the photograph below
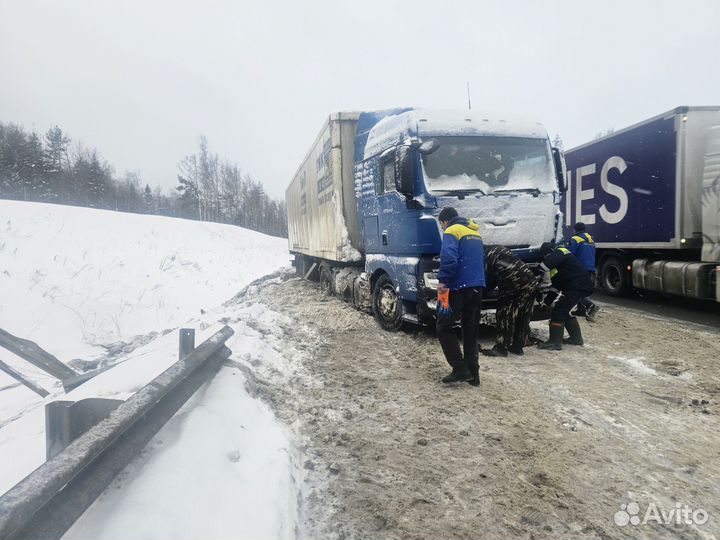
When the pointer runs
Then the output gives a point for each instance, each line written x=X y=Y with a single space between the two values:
x=443 y=301
x=550 y=298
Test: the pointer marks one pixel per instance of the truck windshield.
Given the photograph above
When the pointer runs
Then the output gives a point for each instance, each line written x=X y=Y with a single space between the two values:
x=489 y=165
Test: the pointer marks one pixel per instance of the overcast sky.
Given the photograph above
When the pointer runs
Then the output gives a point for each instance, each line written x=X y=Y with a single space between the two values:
x=141 y=80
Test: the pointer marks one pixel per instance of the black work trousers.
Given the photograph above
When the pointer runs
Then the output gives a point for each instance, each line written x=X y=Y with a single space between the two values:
x=465 y=305
x=585 y=305
x=568 y=299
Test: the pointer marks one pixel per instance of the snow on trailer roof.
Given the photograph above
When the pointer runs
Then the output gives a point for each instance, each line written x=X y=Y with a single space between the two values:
x=426 y=122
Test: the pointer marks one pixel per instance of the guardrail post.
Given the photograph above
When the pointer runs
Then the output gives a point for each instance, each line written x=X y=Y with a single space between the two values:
x=65 y=421
x=187 y=342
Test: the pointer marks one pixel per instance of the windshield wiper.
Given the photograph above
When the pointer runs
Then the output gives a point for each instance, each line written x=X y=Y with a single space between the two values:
x=535 y=191
x=464 y=192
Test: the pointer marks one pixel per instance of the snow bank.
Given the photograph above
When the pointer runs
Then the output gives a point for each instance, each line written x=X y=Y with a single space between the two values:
x=74 y=278
x=222 y=467
x=219 y=469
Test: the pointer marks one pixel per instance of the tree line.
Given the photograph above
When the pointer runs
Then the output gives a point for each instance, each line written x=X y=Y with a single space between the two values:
x=49 y=168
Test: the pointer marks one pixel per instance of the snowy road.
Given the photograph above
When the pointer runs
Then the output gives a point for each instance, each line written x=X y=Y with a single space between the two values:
x=672 y=307
x=551 y=445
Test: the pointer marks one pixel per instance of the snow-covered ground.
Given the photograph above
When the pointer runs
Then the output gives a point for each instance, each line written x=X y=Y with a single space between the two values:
x=75 y=281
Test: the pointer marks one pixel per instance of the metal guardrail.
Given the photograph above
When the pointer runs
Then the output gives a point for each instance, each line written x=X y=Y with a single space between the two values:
x=33 y=353
x=48 y=501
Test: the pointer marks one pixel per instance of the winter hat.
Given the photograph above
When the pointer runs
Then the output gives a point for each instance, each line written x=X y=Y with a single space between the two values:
x=579 y=226
x=546 y=248
x=447 y=214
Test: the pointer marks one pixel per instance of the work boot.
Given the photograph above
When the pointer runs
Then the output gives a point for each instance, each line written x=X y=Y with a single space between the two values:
x=460 y=372
x=590 y=317
x=554 y=343
x=573 y=328
x=457 y=376
x=497 y=350
x=474 y=374
x=517 y=349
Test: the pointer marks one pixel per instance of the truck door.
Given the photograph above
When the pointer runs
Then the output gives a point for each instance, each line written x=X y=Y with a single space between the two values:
x=381 y=205
x=402 y=232
x=388 y=199
x=368 y=178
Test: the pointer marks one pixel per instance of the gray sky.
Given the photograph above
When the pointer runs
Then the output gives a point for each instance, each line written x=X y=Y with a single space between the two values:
x=140 y=80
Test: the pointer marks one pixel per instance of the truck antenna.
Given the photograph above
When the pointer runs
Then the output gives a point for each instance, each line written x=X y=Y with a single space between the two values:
x=468 y=92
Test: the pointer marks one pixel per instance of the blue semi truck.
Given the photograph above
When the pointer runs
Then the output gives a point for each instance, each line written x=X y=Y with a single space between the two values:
x=363 y=205
x=650 y=196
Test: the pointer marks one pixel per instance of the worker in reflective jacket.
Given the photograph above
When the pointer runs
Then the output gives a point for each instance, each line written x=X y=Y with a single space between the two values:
x=568 y=276
x=460 y=285
x=582 y=246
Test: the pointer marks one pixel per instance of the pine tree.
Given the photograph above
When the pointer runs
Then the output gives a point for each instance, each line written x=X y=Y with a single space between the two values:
x=148 y=200
x=76 y=190
x=12 y=142
x=57 y=162
x=98 y=182
x=30 y=168
x=188 y=199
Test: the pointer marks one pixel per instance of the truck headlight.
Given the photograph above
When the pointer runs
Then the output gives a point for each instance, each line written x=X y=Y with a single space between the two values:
x=430 y=280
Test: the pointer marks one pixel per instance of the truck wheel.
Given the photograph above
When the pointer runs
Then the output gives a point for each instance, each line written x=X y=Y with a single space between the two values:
x=387 y=306
x=326 y=282
x=614 y=277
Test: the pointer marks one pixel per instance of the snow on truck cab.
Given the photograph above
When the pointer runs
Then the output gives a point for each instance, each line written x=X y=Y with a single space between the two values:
x=363 y=205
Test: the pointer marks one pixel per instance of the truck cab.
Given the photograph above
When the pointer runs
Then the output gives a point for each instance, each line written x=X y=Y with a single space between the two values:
x=409 y=164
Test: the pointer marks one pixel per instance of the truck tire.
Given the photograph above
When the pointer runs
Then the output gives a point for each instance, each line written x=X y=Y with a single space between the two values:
x=326 y=281
x=614 y=277
x=387 y=306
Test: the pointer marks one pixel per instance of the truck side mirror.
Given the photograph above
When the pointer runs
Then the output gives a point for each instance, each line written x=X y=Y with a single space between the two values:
x=428 y=147
x=405 y=171
x=560 y=169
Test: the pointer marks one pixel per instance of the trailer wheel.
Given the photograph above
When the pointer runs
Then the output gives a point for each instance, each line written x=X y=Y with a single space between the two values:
x=387 y=306
x=326 y=282
x=614 y=277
